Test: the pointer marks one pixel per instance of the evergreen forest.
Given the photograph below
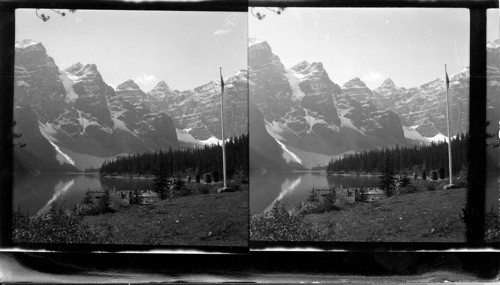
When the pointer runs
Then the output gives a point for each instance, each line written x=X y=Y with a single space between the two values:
x=191 y=161
x=405 y=159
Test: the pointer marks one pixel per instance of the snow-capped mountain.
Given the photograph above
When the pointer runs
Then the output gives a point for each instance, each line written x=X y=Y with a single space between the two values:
x=87 y=121
x=79 y=115
x=310 y=117
x=423 y=108
x=196 y=113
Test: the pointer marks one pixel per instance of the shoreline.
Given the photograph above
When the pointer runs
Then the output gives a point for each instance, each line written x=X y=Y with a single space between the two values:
x=354 y=174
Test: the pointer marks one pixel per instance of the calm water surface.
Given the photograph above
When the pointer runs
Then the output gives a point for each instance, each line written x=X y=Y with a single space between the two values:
x=267 y=188
x=35 y=194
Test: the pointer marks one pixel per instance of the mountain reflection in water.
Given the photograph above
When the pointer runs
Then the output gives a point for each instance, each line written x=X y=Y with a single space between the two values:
x=294 y=187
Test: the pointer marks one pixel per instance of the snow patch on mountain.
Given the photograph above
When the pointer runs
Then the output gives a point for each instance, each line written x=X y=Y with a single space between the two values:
x=311 y=121
x=25 y=43
x=493 y=44
x=345 y=122
x=184 y=136
x=287 y=154
x=274 y=129
x=213 y=140
x=61 y=156
x=84 y=122
x=438 y=138
x=253 y=41
x=47 y=131
x=294 y=80
x=68 y=81
x=413 y=134
x=22 y=83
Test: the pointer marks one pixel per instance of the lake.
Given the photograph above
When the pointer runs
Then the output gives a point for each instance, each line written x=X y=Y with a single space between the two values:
x=267 y=188
x=35 y=193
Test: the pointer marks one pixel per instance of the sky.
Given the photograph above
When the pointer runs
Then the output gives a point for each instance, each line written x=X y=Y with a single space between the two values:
x=493 y=24
x=185 y=49
x=408 y=45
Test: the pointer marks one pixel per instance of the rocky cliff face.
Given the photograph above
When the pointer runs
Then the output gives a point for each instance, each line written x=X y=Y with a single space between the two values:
x=309 y=115
x=79 y=114
x=423 y=108
x=197 y=112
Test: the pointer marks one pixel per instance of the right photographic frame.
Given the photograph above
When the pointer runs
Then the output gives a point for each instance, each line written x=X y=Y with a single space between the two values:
x=359 y=124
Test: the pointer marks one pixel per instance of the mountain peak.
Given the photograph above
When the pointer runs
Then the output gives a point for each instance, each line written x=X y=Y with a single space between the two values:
x=306 y=67
x=128 y=85
x=75 y=68
x=388 y=83
x=254 y=41
x=355 y=82
x=493 y=44
x=25 y=43
x=162 y=84
x=256 y=44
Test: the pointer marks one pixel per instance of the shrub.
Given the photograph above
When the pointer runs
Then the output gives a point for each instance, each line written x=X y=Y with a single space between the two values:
x=360 y=195
x=434 y=175
x=58 y=225
x=136 y=198
x=197 y=178
x=208 y=178
x=283 y=225
x=313 y=196
x=215 y=175
x=492 y=231
x=310 y=208
x=105 y=202
x=330 y=201
x=404 y=180
x=88 y=199
x=442 y=173
x=179 y=184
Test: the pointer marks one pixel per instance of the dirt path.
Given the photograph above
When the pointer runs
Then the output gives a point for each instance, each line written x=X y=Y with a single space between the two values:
x=432 y=216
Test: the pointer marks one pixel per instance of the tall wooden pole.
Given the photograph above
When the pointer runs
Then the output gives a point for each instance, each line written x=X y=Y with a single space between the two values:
x=222 y=127
x=448 y=122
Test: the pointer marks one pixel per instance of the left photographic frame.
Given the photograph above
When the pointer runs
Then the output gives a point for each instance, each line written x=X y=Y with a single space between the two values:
x=118 y=141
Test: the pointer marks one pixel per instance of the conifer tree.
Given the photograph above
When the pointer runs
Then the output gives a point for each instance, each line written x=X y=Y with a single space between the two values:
x=179 y=184
x=105 y=201
x=313 y=196
x=215 y=175
x=87 y=199
x=387 y=180
x=161 y=182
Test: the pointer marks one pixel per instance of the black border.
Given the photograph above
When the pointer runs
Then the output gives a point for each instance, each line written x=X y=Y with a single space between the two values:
x=477 y=10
